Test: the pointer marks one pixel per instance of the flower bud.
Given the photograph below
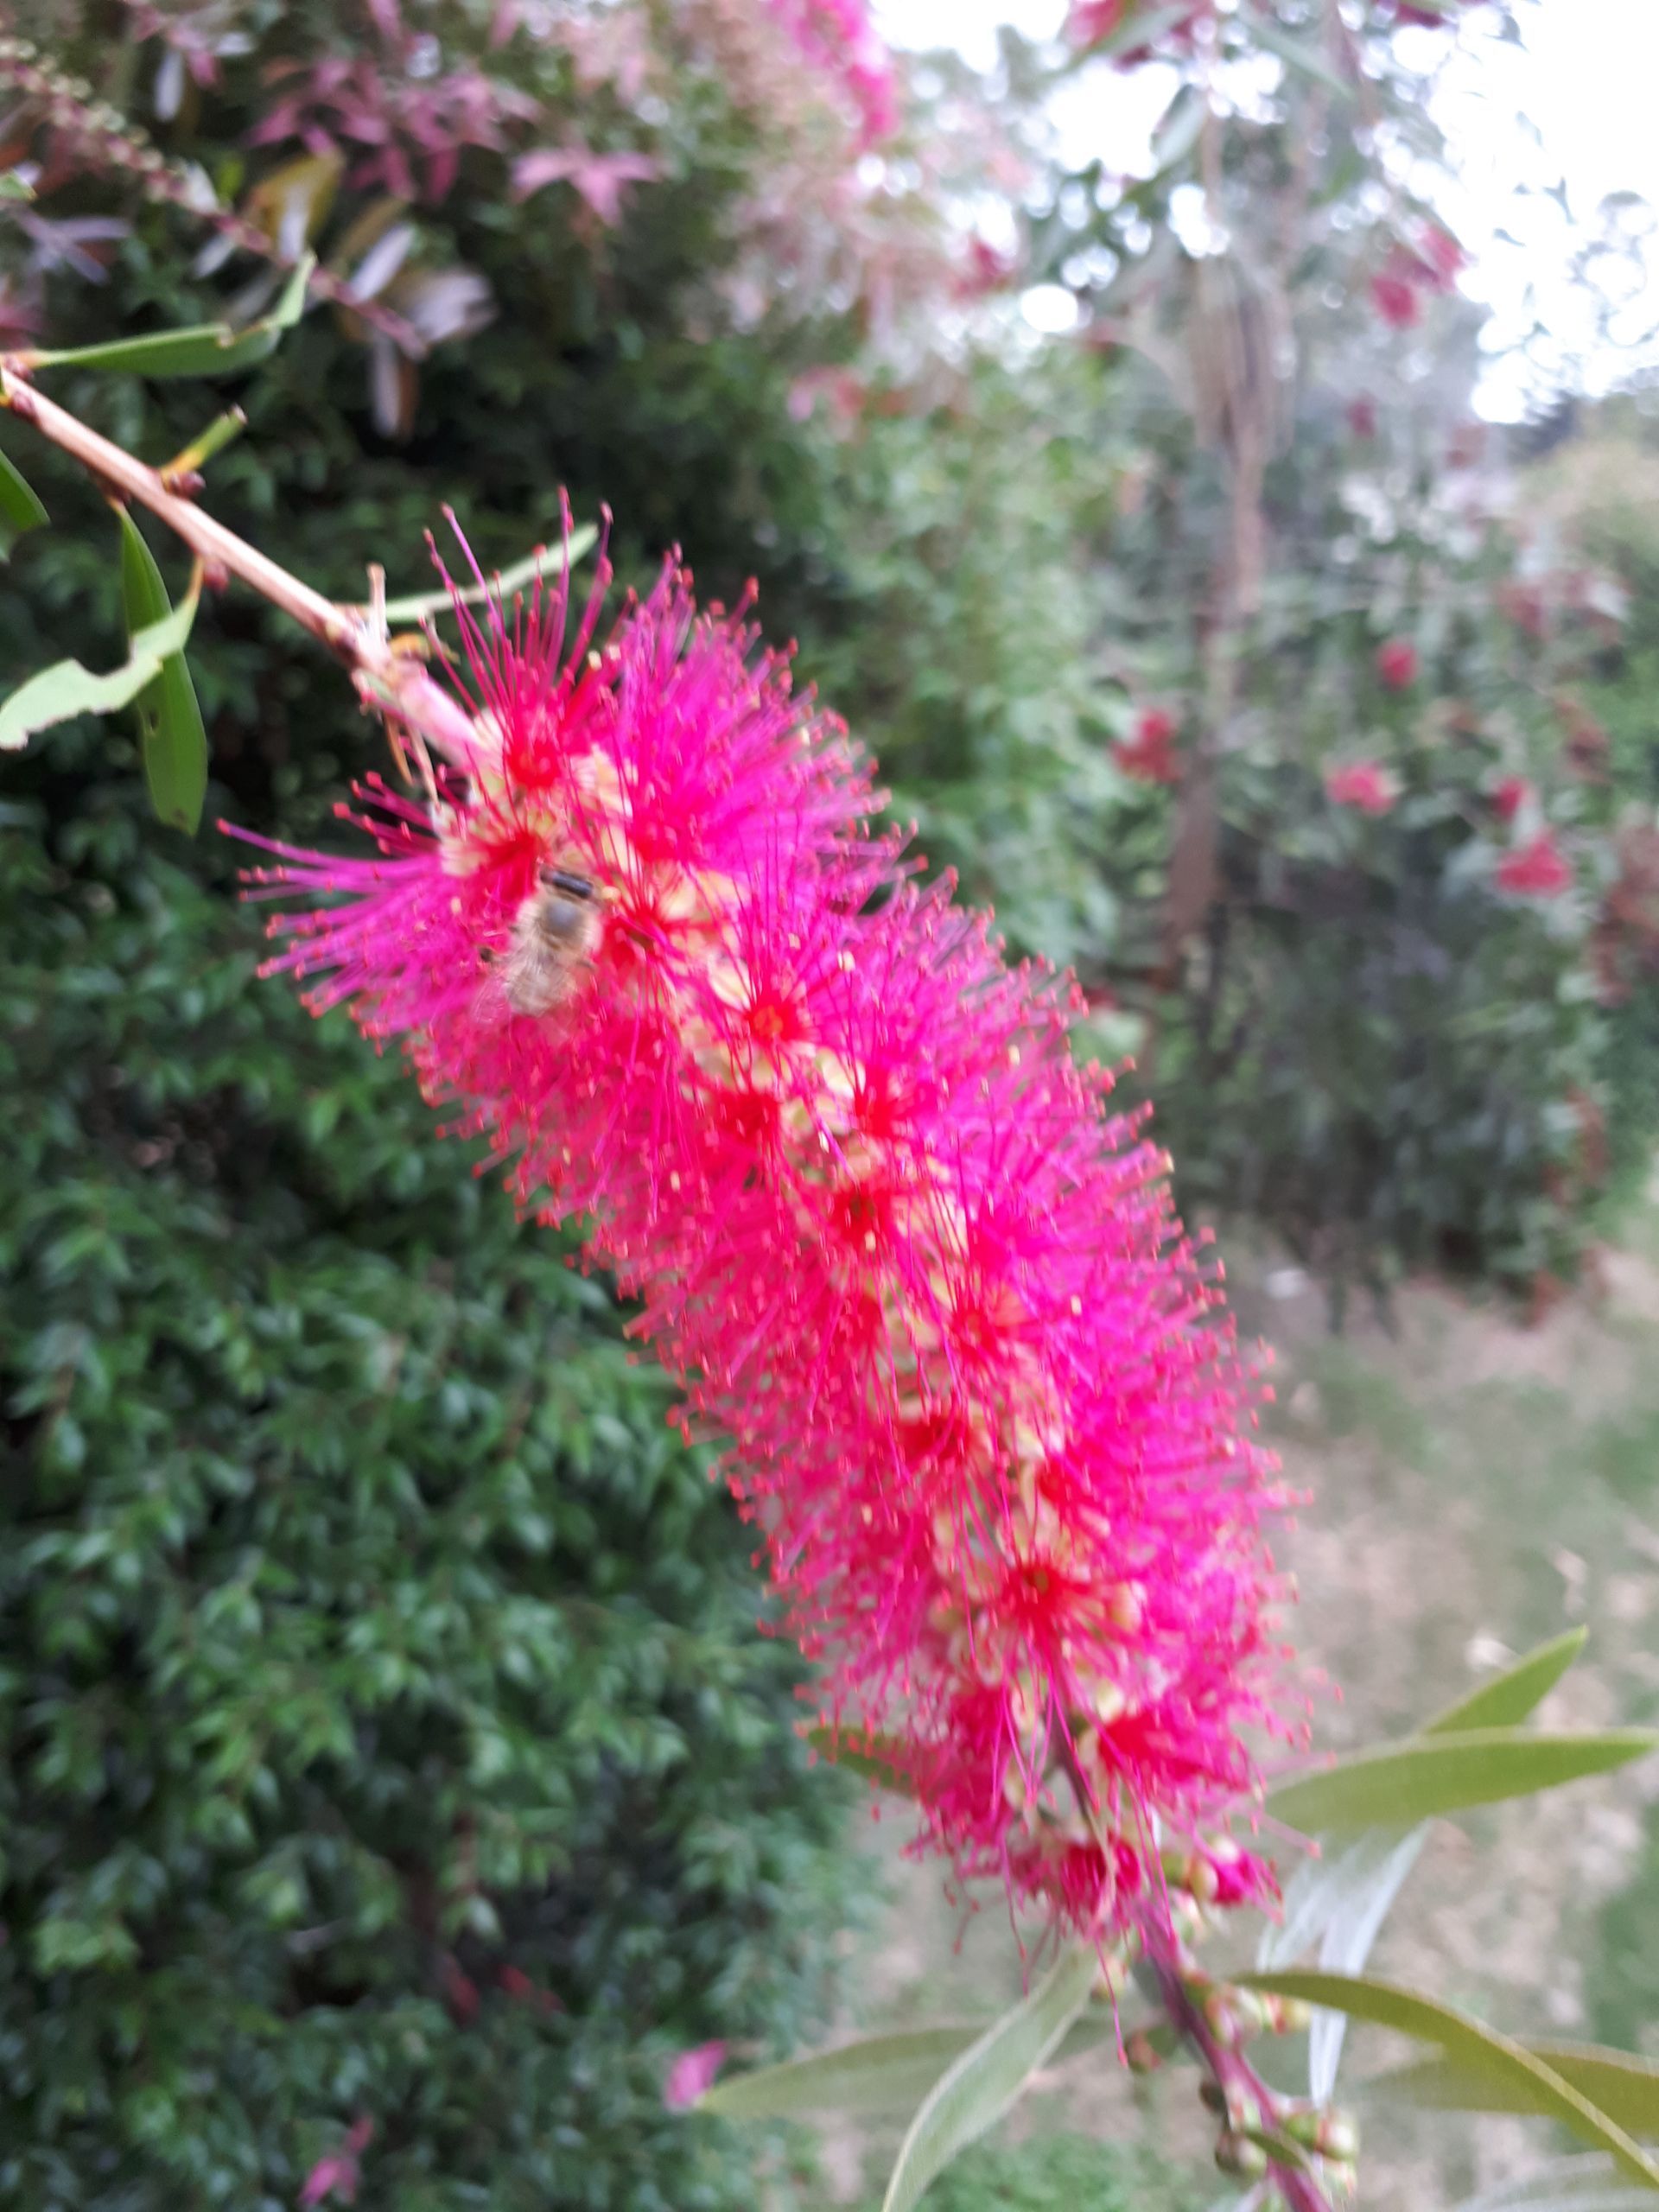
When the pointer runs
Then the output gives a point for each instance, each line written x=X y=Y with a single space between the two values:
x=1336 y=2138
x=1140 y=2054
x=1238 y=2156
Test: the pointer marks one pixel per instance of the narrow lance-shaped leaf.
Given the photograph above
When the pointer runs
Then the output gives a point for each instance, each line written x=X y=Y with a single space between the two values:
x=1143 y=27
x=1339 y=1903
x=887 y=2072
x=1386 y=2005
x=989 y=2076
x=208 y=349
x=1336 y=1904
x=546 y=560
x=19 y=508
x=1513 y=1696
x=58 y=694
x=1300 y=54
x=170 y=719
x=1617 y=2082
x=1402 y=1783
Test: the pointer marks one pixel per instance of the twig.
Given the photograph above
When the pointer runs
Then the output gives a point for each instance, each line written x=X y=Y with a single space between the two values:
x=391 y=680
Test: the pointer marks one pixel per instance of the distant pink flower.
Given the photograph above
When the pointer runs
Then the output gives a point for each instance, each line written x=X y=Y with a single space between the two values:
x=1396 y=664
x=979 y=1404
x=1146 y=754
x=840 y=37
x=1365 y=785
x=600 y=179
x=1394 y=292
x=1361 y=416
x=1440 y=257
x=986 y=271
x=1509 y=795
x=692 y=2074
x=842 y=391
x=1537 y=870
x=338 y=2174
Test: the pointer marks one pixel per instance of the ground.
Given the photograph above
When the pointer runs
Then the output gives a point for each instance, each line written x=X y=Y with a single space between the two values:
x=1475 y=1483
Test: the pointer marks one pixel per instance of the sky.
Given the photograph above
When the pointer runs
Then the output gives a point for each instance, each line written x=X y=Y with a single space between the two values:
x=1575 y=107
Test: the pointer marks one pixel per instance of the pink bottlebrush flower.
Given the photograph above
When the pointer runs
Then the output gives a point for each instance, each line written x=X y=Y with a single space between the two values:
x=1365 y=785
x=338 y=2173
x=1538 y=869
x=1396 y=664
x=1361 y=416
x=1148 y=755
x=692 y=2076
x=976 y=1397
x=1509 y=795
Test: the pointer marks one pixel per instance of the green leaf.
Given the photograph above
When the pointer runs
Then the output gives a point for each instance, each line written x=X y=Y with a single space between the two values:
x=547 y=560
x=1402 y=1783
x=1495 y=2057
x=12 y=187
x=989 y=2076
x=1510 y=1698
x=868 y=2076
x=19 y=508
x=1339 y=1903
x=1300 y=54
x=1143 y=27
x=880 y=2073
x=208 y=349
x=1180 y=130
x=169 y=718
x=872 y=1760
x=58 y=694
x=1617 y=2082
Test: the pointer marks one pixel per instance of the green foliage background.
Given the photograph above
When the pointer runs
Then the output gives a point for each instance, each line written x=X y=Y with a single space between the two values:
x=366 y=1631
x=365 y=1635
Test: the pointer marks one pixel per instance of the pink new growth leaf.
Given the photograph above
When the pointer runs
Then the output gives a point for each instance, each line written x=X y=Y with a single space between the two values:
x=692 y=2073
x=338 y=2174
x=976 y=1395
x=600 y=178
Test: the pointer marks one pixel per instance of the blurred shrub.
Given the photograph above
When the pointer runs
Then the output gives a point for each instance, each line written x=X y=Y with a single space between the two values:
x=384 y=1735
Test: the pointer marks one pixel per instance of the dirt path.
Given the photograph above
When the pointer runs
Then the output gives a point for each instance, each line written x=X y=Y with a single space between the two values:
x=1476 y=1485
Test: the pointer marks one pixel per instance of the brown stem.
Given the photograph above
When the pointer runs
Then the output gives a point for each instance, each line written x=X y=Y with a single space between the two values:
x=391 y=680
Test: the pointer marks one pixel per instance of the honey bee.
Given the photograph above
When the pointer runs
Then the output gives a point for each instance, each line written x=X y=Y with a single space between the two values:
x=553 y=937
